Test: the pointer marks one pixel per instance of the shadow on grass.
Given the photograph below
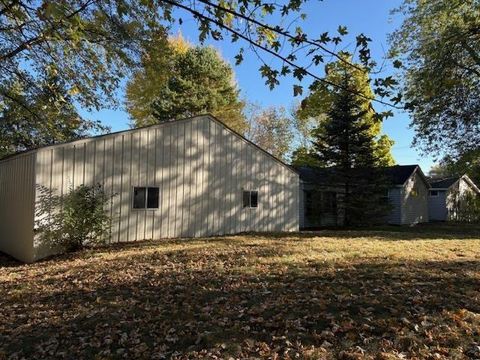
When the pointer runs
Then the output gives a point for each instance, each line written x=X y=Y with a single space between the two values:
x=187 y=304
x=444 y=231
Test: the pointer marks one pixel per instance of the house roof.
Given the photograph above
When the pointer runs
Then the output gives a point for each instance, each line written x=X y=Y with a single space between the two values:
x=446 y=183
x=211 y=117
x=443 y=183
x=397 y=174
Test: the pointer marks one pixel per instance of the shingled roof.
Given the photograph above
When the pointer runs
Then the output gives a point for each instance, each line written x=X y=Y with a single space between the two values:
x=443 y=183
x=397 y=174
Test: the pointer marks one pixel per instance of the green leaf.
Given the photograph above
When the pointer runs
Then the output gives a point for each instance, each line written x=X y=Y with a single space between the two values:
x=342 y=30
x=297 y=90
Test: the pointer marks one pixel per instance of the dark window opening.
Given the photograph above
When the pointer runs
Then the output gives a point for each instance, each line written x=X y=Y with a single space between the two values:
x=146 y=198
x=152 y=197
x=433 y=193
x=139 y=197
x=250 y=199
x=254 y=199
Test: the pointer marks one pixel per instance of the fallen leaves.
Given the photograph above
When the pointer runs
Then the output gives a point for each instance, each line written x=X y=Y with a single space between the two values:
x=271 y=297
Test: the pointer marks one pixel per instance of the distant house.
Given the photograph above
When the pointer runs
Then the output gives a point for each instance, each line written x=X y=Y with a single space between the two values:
x=320 y=199
x=408 y=195
x=187 y=178
x=447 y=195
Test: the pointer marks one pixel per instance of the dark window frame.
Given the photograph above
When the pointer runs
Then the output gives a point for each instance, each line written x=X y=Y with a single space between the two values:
x=250 y=199
x=151 y=198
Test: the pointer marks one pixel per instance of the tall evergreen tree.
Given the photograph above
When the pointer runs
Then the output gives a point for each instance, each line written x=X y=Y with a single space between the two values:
x=344 y=142
x=322 y=97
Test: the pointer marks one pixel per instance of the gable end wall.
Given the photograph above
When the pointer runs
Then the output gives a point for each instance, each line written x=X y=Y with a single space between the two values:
x=201 y=168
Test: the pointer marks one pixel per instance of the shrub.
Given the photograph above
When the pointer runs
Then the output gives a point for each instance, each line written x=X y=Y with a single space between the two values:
x=74 y=220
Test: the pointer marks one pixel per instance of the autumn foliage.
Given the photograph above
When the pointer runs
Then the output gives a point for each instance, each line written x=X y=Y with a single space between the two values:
x=385 y=294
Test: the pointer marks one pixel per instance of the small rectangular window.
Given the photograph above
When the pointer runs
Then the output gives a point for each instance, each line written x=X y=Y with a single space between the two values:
x=152 y=197
x=254 y=199
x=250 y=199
x=146 y=198
x=139 y=197
x=433 y=193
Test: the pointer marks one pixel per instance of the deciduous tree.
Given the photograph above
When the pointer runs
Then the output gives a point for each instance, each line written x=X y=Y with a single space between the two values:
x=271 y=129
x=21 y=129
x=439 y=46
x=178 y=80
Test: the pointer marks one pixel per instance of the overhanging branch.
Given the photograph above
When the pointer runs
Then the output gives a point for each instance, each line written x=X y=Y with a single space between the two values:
x=273 y=53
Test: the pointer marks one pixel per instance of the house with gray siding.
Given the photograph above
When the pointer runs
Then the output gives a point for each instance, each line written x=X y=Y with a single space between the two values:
x=447 y=197
x=408 y=196
x=188 y=178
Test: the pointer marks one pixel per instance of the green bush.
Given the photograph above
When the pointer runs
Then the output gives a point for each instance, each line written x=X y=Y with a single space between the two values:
x=74 y=220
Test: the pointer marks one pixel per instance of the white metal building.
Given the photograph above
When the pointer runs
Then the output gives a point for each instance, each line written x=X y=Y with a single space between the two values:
x=188 y=178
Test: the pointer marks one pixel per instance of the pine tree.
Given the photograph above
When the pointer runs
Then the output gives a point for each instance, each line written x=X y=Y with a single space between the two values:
x=322 y=96
x=344 y=143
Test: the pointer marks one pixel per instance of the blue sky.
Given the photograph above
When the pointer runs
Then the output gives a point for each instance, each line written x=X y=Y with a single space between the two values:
x=371 y=17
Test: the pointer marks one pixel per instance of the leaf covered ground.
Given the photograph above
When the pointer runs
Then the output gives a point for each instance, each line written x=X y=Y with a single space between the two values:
x=392 y=293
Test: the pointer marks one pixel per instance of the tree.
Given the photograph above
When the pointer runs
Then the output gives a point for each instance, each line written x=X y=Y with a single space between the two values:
x=439 y=46
x=305 y=156
x=92 y=45
x=55 y=56
x=271 y=130
x=322 y=98
x=178 y=80
x=19 y=130
x=467 y=163
x=344 y=142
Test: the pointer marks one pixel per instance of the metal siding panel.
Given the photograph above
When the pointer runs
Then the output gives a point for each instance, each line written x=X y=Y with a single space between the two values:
x=210 y=156
x=187 y=230
x=109 y=175
x=203 y=145
x=221 y=157
x=17 y=197
x=170 y=182
x=180 y=175
x=142 y=181
x=233 y=185
x=236 y=190
x=115 y=206
x=216 y=175
x=89 y=158
x=159 y=164
x=150 y=181
x=135 y=181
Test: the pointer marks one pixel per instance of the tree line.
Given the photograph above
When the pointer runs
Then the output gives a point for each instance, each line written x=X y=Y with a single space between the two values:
x=57 y=57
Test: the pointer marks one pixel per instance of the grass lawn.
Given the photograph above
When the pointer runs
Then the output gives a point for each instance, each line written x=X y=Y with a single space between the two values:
x=389 y=293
